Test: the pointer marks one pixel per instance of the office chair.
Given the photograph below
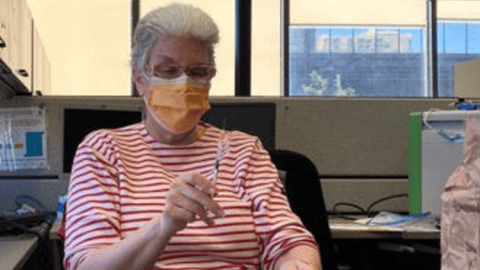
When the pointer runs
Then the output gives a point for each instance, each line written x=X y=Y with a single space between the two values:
x=305 y=196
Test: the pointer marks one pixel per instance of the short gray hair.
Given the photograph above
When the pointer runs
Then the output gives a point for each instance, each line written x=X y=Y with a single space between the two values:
x=177 y=20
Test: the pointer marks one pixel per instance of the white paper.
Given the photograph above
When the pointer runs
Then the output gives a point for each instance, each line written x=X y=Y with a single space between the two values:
x=23 y=136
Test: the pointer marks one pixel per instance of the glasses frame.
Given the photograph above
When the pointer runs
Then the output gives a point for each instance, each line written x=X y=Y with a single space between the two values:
x=211 y=71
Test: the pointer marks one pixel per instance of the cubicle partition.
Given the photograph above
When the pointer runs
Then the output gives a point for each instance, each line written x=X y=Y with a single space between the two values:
x=358 y=145
x=65 y=119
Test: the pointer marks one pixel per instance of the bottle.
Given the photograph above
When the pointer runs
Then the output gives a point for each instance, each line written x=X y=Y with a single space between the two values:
x=62 y=200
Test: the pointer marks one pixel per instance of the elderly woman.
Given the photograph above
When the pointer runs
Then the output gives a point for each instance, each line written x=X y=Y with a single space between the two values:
x=153 y=196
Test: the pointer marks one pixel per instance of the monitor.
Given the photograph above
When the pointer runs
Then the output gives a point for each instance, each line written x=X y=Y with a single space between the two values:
x=80 y=122
x=257 y=119
x=253 y=118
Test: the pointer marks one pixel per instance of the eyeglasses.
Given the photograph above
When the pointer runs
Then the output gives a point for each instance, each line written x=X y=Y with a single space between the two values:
x=170 y=69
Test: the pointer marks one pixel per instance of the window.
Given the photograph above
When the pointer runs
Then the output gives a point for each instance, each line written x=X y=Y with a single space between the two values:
x=458 y=39
x=357 y=61
x=92 y=56
x=266 y=61
x=457 y=42
x=363 y=48
x=357 y=48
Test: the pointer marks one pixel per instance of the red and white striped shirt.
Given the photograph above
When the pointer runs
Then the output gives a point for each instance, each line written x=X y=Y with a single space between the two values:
x=120 y=179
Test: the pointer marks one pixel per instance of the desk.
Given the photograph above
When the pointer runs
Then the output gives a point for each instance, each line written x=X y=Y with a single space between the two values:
x=16 y=250
x=54 y=230
x=346 y=229
x=377 y=248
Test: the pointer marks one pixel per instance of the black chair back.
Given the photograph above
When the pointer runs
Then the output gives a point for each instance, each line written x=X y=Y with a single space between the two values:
x=305 y=196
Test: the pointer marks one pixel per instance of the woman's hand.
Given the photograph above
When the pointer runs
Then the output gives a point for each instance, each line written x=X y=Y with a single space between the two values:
x=190 y=195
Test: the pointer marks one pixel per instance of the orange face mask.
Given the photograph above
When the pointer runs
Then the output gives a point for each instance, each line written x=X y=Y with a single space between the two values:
x=178 y=106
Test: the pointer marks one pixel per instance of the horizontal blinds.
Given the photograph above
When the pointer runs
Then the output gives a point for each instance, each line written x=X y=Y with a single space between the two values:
x=266 y=48
x=358 y=12
x=87 y=43
x=458 y=10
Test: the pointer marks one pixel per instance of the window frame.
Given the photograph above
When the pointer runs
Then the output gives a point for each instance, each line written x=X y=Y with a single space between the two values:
x=431 y=68
x=243 y=9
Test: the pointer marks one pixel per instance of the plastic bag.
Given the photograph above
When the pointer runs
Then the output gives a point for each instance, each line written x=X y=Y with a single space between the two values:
x=460 y=217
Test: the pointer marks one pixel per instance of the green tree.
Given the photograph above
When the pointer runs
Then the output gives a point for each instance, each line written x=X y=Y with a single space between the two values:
x=340 y=91
x=318 y=86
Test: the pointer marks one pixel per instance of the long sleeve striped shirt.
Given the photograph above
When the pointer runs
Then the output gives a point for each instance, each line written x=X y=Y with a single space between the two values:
x=120 y=179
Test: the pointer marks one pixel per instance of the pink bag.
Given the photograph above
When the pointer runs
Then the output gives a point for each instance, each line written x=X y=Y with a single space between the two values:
x=460 y=217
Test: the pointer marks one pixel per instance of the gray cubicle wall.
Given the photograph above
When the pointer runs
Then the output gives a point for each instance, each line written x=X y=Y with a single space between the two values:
x=46 y=185
x=358 y=145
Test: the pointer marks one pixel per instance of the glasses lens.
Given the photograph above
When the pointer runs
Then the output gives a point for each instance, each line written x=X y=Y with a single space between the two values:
x=170 y=70
x=167 y=71
x=198 y=72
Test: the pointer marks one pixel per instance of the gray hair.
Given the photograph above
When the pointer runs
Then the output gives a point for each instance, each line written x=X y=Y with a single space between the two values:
x=177 y=20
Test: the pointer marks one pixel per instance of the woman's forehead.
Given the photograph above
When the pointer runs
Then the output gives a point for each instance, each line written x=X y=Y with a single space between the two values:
x=184 y=50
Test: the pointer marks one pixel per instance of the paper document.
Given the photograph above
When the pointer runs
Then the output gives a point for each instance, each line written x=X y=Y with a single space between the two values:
x=423 y=221
x=23 y=138
x=362 y=227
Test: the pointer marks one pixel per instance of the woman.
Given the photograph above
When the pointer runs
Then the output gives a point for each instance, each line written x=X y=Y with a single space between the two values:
x=173 y=192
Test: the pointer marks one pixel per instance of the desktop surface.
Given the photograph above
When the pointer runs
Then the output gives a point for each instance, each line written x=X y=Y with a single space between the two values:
x=342 y=228
x=363 y=247
x=16 y=250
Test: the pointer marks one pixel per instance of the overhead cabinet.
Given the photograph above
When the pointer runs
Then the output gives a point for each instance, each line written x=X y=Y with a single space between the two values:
x=18 y=50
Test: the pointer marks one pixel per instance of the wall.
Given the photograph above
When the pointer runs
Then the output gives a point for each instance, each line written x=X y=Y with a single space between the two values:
x=358 y=145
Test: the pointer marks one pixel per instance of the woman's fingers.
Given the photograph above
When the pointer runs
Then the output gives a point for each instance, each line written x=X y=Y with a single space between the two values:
x=198 y=181
x=192 y=208
x=198 y=189
x=191 y=195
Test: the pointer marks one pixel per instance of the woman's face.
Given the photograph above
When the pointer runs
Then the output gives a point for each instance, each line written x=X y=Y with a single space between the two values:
x=176 y=54
x=182 y=51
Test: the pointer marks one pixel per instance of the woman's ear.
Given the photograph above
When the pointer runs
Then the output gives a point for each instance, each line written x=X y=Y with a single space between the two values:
x=139 y=81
